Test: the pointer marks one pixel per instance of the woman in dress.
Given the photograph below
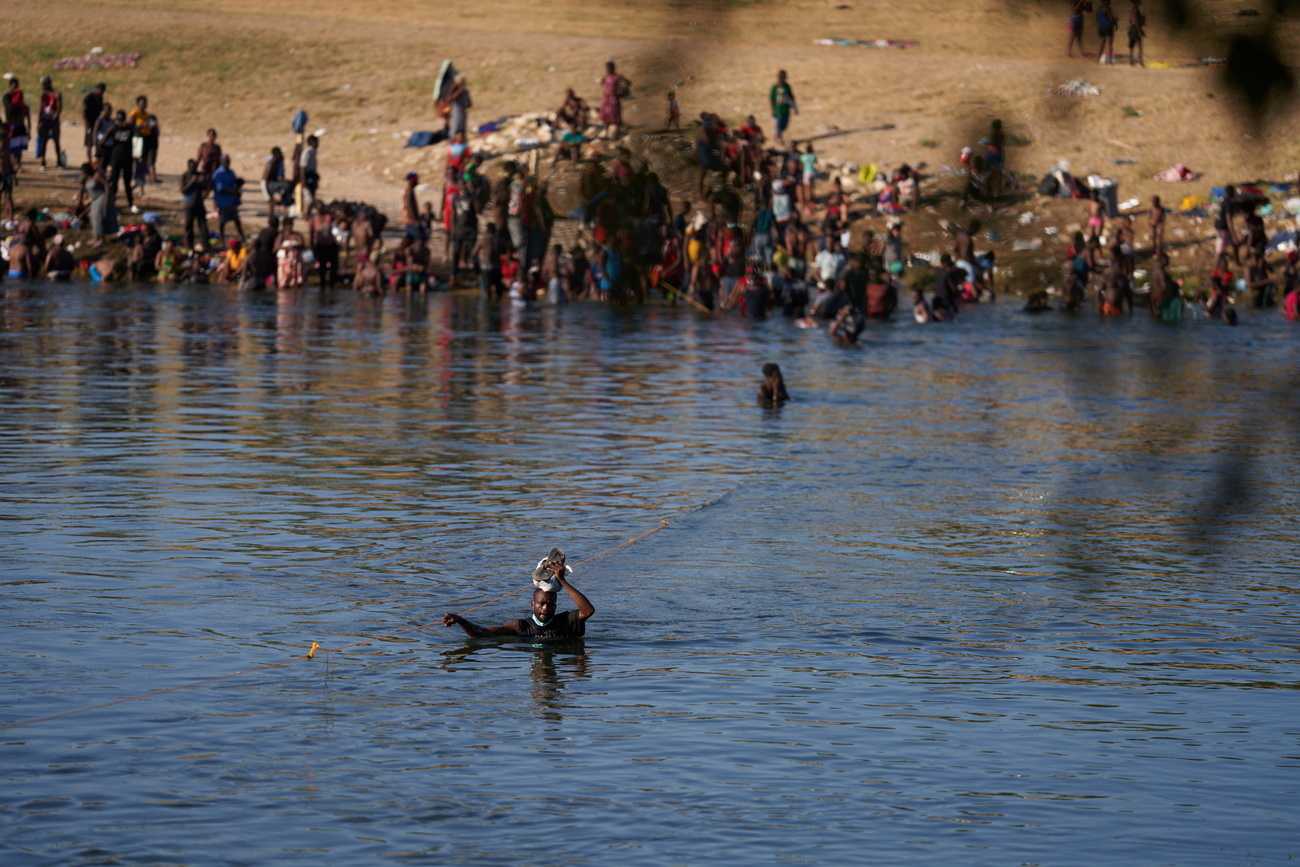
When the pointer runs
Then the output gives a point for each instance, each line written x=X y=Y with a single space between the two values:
x=613 y=88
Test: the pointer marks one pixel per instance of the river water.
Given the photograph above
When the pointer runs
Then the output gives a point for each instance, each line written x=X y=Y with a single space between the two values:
x=1015 y=590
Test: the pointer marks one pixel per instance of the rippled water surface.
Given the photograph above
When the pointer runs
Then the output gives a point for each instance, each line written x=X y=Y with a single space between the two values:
x=1015 y=590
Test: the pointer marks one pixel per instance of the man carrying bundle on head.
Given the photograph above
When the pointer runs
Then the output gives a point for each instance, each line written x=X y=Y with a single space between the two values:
x=550 y=575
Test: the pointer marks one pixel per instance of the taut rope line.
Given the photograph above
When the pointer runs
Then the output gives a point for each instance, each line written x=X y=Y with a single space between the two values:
x=311 y=653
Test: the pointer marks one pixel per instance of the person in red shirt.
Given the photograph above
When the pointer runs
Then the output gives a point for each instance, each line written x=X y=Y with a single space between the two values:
x=19 y=118
x=48 y=121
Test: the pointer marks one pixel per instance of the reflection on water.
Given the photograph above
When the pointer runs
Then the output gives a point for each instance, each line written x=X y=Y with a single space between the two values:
x=993 y=593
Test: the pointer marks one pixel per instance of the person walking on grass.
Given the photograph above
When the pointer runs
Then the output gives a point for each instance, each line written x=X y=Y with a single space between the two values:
x=781 y=98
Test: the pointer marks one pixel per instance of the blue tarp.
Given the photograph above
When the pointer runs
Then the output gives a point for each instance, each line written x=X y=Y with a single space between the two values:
x=424 y=139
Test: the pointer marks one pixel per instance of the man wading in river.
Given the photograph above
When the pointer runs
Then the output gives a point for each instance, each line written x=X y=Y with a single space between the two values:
x=544 y=622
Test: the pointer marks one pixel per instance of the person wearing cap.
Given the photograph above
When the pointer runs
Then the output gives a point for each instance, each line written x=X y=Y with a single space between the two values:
x=233 y=264
x=48 y=122
x=225 y=195
x=411 y=210
x=92 y=106
x=542 y=621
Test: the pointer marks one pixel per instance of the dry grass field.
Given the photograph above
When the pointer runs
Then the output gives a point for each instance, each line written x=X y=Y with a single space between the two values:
x=364 y=72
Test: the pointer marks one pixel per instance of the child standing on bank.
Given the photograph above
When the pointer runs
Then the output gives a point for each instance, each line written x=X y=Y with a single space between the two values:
x=673 y=114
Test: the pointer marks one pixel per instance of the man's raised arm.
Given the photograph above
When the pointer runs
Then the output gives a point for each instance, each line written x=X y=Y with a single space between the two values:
x=585 y=608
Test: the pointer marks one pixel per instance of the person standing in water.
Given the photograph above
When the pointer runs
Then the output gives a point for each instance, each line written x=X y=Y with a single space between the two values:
x=542 y=622
x=773 y=388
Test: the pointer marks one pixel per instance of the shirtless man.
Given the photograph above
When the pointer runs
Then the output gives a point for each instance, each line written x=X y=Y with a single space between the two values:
x=23 y=263
x=543 y=622
x=411 y=224
x=368 y=280
x=363 y=234
x=1156 y=218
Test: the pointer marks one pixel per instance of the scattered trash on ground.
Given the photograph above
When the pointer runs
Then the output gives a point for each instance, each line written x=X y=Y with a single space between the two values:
x=1076 y=87
x=99 y=61
x=867 y=43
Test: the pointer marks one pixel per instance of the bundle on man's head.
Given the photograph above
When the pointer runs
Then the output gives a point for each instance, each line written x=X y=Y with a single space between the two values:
x=544 y=574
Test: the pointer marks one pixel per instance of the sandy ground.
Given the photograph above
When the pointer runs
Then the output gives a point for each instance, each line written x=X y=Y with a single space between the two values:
x=364 y=73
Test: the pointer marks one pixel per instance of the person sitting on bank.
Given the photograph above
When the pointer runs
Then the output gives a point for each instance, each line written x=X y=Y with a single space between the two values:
x=543 y=622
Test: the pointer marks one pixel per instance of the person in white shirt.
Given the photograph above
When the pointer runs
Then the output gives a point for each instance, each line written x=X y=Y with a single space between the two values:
x=830 y=262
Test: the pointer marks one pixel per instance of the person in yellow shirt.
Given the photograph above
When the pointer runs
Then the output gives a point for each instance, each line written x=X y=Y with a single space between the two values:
x=146 y=127
x=231 y=268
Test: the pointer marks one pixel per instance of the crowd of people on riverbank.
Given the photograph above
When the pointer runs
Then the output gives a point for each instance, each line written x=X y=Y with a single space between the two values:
x=758 y=236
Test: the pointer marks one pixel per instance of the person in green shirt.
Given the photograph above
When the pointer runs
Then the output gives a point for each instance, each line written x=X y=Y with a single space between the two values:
x=782 y=98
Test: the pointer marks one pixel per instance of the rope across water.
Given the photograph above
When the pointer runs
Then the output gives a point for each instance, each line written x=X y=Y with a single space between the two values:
x=310 y=654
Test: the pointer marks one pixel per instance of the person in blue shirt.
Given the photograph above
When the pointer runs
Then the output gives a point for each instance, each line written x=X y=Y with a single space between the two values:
x=225 y=193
